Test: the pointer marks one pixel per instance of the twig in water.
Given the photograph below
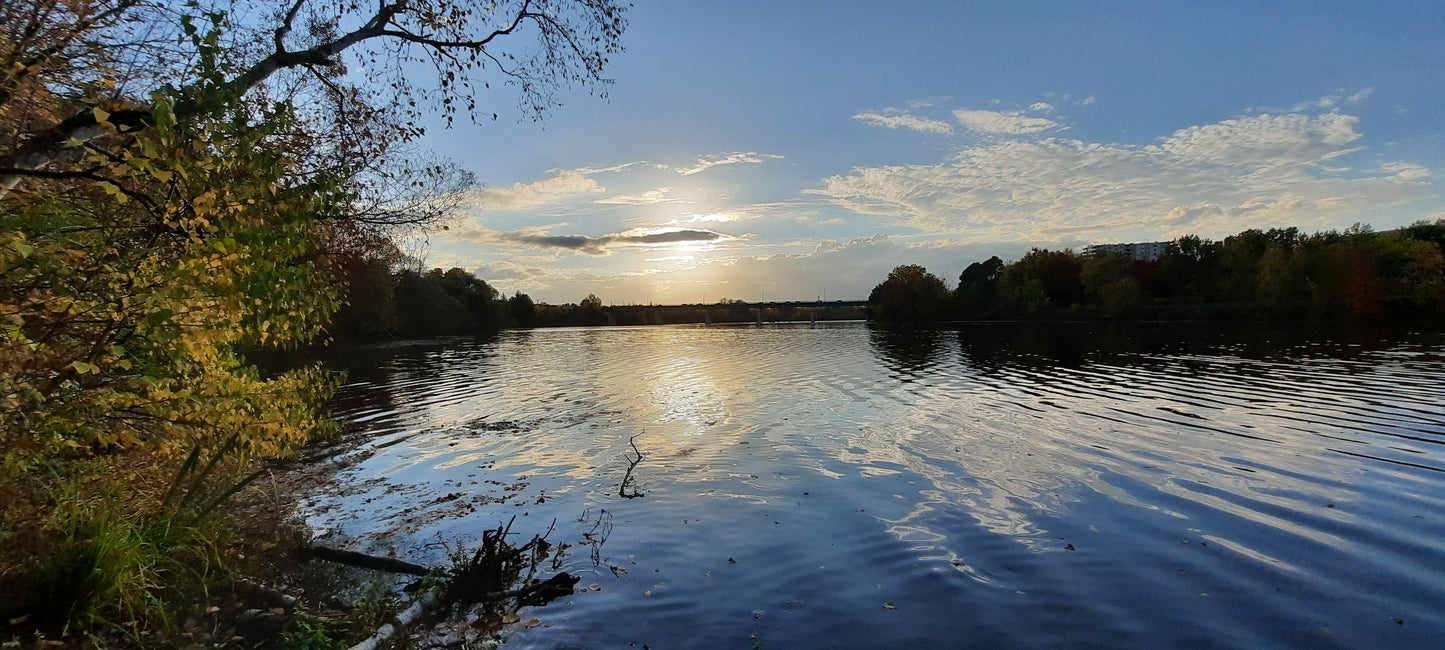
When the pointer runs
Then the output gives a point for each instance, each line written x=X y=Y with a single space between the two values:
x=632 y=464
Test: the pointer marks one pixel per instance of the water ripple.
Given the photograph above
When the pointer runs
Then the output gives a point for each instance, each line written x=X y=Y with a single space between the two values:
x=996 y=485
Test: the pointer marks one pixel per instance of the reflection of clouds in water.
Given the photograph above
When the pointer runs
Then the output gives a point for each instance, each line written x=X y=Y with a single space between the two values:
x=1243 y=438
x=997 y=442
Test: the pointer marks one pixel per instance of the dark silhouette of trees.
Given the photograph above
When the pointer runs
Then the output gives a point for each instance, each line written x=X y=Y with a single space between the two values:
x=591 y=310
x=978 y=287
x=910 y=295
x=522 y=310
x=1255 y=274
x=1109 y=281
x=1043 y=279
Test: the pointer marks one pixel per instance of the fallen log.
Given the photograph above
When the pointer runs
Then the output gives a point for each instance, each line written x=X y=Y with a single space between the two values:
x=352 y=558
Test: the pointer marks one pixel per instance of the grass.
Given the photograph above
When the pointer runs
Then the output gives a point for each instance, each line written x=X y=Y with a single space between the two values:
x=112 y=563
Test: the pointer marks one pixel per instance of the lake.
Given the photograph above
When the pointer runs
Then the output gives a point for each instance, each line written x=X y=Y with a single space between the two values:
x=990 y=485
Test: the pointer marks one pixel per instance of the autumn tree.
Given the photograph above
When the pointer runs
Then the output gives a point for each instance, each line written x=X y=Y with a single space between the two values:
x=177 y=183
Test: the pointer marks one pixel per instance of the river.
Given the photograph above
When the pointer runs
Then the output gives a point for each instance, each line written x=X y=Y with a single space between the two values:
x=984 y=485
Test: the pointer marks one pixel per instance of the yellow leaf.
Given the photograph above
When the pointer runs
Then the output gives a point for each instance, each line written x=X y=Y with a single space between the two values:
x=101 y=115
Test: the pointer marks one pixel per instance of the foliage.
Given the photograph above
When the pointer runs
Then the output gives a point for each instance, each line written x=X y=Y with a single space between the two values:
x=124 y=299
x=1276 y=273
x=522 y=310
x=179 y=184
x=311 y=633
x=978 y=285
x=910 y=295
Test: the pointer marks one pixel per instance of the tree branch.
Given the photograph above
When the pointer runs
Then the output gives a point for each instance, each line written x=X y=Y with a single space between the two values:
x=48 y=146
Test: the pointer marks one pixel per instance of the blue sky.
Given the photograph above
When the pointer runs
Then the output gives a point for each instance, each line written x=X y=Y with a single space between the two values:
x=788 y=150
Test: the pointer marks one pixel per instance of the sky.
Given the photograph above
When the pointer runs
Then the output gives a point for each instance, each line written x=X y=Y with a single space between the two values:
x=801 y=150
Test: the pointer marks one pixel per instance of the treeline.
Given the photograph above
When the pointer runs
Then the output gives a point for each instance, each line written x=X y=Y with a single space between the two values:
x=1279 y=273
x=382 y=304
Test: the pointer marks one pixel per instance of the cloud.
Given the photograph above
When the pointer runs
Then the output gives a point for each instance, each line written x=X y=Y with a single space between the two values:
x=1089 y=100
x=1211 y=179
x=1002 y=123
x=1325 y=103
x=713 y=217
x=506 y=271
x=1041 y=107
x=736 y=158
x=526 y=196
x=650 y=197
x=904 y=121
x=612 y=169
x=540 y=237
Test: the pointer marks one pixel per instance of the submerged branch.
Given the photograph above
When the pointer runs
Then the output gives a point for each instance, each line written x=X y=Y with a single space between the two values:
x=627 y=478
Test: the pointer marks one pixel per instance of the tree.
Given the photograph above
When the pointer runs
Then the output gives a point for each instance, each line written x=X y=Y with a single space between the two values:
x=1044 y=279
x=1108 y=280
x=910 y=295
x=1188 y=270
x=303 y=52
x=175 y=191
x=522 y=310
x=978 y=286
x=591 y=310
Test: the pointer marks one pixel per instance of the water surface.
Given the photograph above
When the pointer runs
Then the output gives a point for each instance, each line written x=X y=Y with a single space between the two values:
x=991 y=485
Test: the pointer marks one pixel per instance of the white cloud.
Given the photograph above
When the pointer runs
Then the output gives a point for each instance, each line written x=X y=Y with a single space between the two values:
x=1041 y=107
x=716 y=217
x=1002 y=123
x=1210 y=179
x=1089 y=100
x=1359 y=96
x=1325 y=103
x=736 y=158
x=525 y=196
x=904 y=121
x=650 y=197
x=612 y=169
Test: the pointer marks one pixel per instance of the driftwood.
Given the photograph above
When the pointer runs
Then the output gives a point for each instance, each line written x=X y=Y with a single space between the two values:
x=388 y=564
x=555 y=587
x=478 y=579
x=627 y=478
x=404 y=618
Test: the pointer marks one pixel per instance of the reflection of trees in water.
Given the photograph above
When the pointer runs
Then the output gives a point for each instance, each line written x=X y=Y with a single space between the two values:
x=388 y=370
x=908 y=352
x=993 y=345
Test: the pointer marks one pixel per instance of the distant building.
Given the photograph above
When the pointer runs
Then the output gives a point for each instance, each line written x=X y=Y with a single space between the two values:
x=1143 y=252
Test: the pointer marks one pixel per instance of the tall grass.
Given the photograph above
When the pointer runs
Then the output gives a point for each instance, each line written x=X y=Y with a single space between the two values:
x=119 y=562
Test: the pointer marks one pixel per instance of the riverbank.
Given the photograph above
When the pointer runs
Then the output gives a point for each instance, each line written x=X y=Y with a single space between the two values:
x=255 y=575
x=240 y=579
